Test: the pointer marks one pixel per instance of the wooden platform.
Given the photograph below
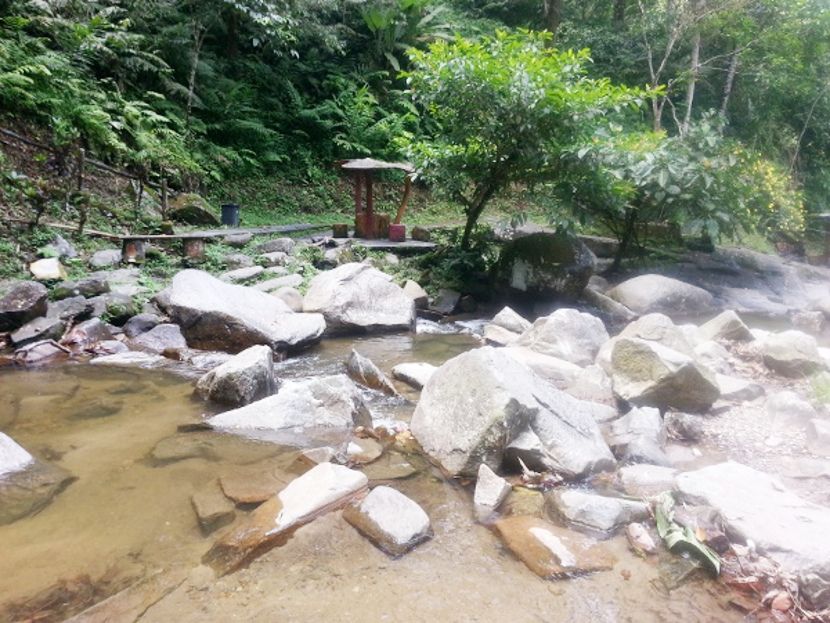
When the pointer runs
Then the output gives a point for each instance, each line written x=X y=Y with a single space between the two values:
x=415 y=246
x=221 y=233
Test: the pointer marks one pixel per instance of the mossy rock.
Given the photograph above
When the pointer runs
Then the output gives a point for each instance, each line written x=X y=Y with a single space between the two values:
x=192 y=209
x=546 y=264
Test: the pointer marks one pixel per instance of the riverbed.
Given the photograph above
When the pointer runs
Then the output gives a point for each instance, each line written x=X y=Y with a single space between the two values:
x=128 y=517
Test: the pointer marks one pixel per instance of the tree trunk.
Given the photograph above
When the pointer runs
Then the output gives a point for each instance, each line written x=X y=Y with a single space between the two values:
x=629 y=229
x=199 y=33
x=694 y=71
x=474 y=210
x=619 y=13
x=730 y=81
x=553 y=15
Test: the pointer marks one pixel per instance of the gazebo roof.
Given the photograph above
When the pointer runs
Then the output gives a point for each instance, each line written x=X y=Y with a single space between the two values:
x=370 y=164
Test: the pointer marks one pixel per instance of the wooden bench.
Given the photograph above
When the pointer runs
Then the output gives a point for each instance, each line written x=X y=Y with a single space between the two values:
x=133 y=246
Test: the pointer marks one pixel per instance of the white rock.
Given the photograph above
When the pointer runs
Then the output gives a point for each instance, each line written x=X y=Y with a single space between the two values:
x=291 y=297
x=286 y=281
x=594 y=512
x=714 y=356
x=214 y=315
x=390 y=520
x=656 y=293
x=48 y=269
x=415 y=374
x=755 y=506
x=499 y=336
x=244 y=378
x=738 y=390
x=327 y=401
x=818 y=436
x=646 y=480
x=726 y=326
x=791 y=353
x=787 y=410
x=318 y=488
x=356 y=297
x=491 y=489
x=566 y=334
x=510 y=320
x=13 y=458
x=558 y=372
x=478 y=402
x=649 y=374
x=418 y=295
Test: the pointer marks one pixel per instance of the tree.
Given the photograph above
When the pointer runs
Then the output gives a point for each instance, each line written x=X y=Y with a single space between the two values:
x=701 y=181
x=500 y=111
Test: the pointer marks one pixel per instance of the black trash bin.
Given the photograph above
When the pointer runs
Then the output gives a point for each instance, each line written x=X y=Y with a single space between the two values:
x=230 y=214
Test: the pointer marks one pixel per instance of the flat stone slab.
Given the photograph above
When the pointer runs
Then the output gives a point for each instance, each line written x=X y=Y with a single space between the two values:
x=390 y=520
x=252 y=484
x=755 y=506
x=595 y=512
x=414 y=374
x=322 y=489
x=646 y=480
x=550 y=551
x=213 y=510
x=329 y=401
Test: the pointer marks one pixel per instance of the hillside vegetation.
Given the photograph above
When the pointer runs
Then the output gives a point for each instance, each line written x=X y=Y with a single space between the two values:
x=714 y=115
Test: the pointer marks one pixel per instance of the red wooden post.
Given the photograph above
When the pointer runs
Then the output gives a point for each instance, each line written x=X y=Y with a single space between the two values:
x=370 y=207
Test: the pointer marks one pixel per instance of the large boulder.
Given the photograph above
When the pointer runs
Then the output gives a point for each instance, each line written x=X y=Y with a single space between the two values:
x=726 y=326
x=477 y=403
x=546 y=264
x=646 y=373
x=214 y=315
x=755 y=506
x=320 y=402
x=192 y=209
x=653 y=328
x=23 y=302
x=655 y=293
x=242 y=379
x=791 y=353
x=358 y=298
x=567 y=334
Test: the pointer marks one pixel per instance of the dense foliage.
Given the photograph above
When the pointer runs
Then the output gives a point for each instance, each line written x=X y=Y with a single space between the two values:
x=735 y=135
x=502 y=110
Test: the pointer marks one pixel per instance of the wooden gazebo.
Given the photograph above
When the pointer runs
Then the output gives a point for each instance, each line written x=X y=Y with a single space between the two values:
x=367 y=223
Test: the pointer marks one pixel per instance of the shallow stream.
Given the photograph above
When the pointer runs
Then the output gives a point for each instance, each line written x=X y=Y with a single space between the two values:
x=128 y=516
